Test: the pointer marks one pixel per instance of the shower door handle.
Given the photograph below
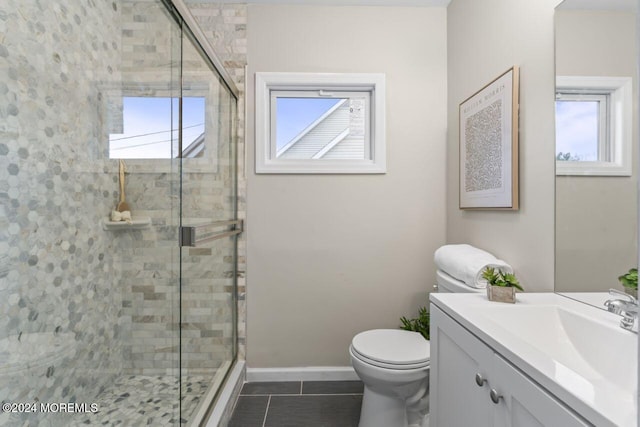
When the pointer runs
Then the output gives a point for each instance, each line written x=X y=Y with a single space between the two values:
x=192 y=236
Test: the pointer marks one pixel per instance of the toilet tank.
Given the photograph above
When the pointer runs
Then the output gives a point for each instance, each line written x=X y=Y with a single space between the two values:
x=449 y=284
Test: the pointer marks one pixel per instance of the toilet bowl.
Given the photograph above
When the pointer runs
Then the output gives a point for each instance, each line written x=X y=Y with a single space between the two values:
x=393 y=364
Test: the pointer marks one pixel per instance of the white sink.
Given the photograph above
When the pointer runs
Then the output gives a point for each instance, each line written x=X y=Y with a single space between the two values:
x=578 y=352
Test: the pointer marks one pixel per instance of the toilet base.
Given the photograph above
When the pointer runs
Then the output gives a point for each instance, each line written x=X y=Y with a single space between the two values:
x=393 y=397
x=381 y=410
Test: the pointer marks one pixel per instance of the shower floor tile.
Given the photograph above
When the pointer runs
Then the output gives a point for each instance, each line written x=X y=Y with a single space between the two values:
x=295 y=404
x=140 y=400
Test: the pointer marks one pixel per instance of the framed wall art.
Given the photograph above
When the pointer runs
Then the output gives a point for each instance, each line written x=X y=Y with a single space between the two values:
x=489 y=145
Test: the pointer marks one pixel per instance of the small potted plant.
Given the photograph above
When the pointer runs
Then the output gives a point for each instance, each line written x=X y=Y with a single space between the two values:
x=501 y=286
x=630 y=282
x=420 y=324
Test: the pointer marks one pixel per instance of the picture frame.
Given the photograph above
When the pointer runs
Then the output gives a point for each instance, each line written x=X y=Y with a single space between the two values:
x=488 y=155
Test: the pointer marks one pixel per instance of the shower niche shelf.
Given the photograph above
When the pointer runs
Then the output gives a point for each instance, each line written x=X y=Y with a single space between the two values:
x=137 y=223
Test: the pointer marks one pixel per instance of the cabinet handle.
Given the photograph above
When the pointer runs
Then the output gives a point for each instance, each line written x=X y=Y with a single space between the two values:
x=495 y=397
x=480 y=380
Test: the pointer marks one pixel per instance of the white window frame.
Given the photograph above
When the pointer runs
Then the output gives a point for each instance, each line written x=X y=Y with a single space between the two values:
x=617 y=151
x=268 y=82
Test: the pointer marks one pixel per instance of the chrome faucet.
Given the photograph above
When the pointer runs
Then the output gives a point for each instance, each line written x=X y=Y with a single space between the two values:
x=627 y=308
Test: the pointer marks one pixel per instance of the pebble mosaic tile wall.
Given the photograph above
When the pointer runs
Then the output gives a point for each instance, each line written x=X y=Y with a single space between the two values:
x=104 y=303
x=60 y=295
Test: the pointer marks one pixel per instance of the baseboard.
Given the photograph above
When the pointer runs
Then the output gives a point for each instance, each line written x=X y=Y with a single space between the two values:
x=221 y=413
x=312 y=373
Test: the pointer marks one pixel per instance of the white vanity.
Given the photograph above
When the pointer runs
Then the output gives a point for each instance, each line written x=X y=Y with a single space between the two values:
x=545 y=361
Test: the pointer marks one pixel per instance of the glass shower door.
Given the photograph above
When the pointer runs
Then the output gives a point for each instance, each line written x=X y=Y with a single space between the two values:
x=208 y=232
x=89 y=305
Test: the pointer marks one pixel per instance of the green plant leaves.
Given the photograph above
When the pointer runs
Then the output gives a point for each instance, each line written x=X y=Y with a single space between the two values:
x=500 y=278
x=630 y=280
x=490 y=275
x=419 y=324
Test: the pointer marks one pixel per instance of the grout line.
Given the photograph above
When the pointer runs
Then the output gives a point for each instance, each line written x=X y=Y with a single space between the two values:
x=306 y=394
x=301 y=385
x=272 y=394
x=264 y=422
x=332 y=394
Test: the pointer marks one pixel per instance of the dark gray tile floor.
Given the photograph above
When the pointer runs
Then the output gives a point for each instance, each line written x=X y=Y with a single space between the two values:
x=298 y=404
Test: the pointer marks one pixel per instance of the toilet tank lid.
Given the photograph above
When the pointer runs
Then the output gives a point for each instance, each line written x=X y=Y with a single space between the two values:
x=392 y=346
x=443 y=276
x=451 y=284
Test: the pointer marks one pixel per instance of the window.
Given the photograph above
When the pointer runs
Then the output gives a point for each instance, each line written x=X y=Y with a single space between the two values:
x=593 y=126
x=582 y=121
x=320 y=123
x=150 y=125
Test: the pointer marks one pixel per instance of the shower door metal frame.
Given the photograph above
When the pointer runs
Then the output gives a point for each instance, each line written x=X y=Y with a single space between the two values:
x=182 y=10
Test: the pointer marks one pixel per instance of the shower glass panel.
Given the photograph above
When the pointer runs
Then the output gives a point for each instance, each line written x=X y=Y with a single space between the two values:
x=208 y=210
x=115 y=318
x=88 y=308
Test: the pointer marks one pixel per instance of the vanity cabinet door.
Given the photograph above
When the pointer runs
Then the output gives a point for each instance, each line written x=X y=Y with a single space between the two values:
x=471 y=385
x=456 y=358
x=525 y=404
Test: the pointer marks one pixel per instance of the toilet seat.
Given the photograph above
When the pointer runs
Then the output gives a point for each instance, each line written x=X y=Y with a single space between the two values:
x=390 y=366
x=392 y=349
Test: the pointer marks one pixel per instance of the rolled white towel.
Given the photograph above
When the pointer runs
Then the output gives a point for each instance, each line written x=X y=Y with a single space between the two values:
x=466 y=263
x=126 y=216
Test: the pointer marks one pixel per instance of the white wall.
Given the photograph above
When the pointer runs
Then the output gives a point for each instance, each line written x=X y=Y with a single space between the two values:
x=485 y=38
x=331 y=255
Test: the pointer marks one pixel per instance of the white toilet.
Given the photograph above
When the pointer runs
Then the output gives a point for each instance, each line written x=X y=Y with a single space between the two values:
x=393 y=364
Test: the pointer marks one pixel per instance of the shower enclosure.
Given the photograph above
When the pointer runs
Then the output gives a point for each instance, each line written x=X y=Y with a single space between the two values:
x=106 y=322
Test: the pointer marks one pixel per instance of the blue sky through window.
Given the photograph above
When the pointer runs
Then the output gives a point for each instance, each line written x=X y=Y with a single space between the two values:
x=577 y=129
x=148 y=125
x=296 y=114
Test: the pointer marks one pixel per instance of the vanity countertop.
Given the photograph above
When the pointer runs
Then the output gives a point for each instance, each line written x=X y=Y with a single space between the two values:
x=596 y=299
x=577 y=352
